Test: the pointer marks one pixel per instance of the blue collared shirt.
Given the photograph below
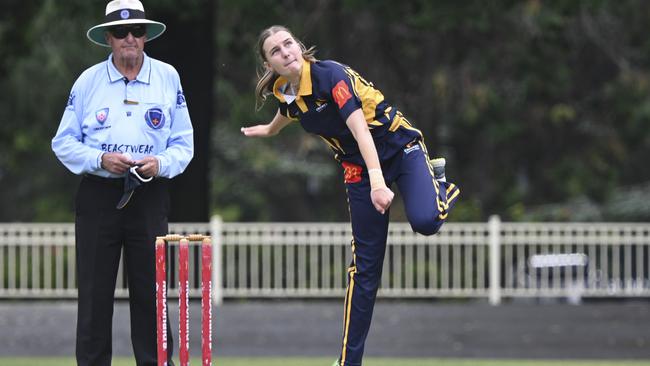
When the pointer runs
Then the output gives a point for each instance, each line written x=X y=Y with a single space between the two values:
x=145 y=116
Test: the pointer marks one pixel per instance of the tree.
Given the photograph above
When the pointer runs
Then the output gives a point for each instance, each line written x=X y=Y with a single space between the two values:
x=541 y=107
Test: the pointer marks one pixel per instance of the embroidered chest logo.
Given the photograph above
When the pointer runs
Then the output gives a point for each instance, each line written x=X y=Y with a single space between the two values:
x=341 y=93
x=410 y=149
x=155 y=118
x=321 y=107
x=101 y=115
x=352 y=172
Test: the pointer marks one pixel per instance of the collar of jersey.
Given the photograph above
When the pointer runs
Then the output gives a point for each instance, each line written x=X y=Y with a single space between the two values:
x=305 y=83
x=143 y=76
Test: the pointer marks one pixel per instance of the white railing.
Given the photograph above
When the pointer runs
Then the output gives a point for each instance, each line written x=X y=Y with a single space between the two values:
x=306 y=260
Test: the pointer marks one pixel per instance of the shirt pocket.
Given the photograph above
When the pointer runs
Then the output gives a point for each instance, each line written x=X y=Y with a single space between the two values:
x=157 y=116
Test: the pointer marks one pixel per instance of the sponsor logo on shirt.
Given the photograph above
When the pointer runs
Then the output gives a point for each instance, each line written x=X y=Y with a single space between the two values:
x=321 y=107
x=155 y=118
x=411 y=149
x=126 y=148
x=101 y=115
x=341 y=93
x=352 y=172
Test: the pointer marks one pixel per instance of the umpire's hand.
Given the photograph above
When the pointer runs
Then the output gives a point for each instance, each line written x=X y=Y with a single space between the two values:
x=148 y=166
x=117 y=163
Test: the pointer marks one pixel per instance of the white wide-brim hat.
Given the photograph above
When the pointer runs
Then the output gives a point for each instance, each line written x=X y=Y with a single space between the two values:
x=120 y=12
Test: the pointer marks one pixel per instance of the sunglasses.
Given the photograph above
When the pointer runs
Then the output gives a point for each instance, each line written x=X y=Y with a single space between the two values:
x=122 y=31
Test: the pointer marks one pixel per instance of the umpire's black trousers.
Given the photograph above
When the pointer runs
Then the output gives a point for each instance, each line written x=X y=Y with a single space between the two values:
x=101 y=233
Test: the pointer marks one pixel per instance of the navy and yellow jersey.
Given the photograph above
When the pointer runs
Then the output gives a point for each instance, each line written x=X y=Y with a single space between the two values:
x=329 y=92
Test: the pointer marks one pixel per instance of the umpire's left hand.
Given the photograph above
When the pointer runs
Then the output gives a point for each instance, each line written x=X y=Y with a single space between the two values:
x=148 y=166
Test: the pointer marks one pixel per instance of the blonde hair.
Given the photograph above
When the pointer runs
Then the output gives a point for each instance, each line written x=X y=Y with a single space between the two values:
x=266 y=77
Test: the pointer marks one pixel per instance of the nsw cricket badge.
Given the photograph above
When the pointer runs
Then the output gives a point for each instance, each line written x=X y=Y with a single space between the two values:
x=155 y=118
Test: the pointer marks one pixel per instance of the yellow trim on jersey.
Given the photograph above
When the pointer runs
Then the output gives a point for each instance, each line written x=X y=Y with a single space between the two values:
x=401 y=121
x=305 y=84
x=301 y=104
x=397 y=121
x=305 y=79
x=334 y=143
x=369 y=96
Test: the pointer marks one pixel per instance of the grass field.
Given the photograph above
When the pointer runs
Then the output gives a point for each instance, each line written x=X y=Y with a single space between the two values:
x=277 y=361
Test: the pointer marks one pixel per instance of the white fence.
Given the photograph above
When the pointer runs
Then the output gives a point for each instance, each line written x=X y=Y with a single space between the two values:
x=302 y=260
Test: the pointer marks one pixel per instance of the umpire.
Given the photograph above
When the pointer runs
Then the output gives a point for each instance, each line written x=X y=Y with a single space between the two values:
x=126 y=129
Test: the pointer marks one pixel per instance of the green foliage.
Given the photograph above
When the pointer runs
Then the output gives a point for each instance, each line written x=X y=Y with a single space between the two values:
x=45 y=53
x=532 y=102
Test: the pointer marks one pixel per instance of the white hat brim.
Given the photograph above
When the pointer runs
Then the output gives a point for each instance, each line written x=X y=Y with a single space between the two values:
x=96 y=33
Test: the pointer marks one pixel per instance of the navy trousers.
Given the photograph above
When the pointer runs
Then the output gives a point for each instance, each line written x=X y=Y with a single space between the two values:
x=101 y=232
x=427 y=203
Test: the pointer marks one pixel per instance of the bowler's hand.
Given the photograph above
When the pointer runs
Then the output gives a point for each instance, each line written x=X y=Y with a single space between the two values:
x=117 y=163
x=382 y=198
x=148 y=166
x=257 y=131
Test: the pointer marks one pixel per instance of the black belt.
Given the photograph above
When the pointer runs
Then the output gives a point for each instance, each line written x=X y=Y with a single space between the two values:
x=128 y=184
x=115 y=182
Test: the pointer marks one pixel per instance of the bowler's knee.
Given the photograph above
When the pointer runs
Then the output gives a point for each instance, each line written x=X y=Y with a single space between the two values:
x=426 y=225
